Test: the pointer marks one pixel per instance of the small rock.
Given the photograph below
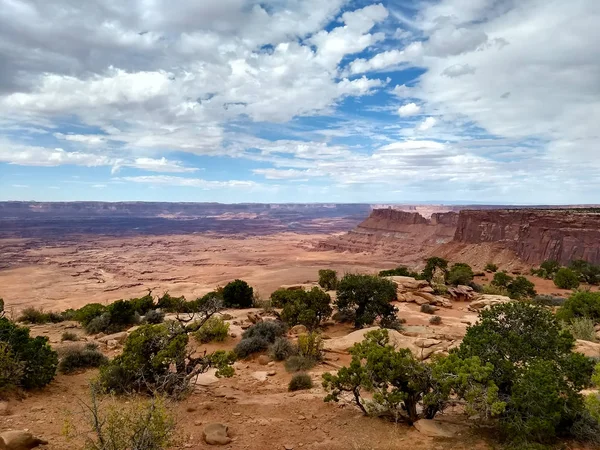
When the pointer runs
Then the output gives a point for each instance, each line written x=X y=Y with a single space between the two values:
x=263 y=360
x=271 y=373
x=298 y=329
x=260 y=376
x=19 y=440
x=271 y=363
x=288 y=447
x=216 y=434
x=112 y=344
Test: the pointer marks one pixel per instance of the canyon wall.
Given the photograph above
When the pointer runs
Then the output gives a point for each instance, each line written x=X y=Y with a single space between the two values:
x=535 y=235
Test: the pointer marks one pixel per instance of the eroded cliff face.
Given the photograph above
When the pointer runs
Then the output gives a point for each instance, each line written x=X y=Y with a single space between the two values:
x=405 y=235
x=535 y=235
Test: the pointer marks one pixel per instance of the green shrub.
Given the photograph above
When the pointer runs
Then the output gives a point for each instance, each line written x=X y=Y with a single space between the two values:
x=282 y=297
x=460 y=273
x=548 y=300
x=399 y=271
x=38 y=359
x=344 y=316
x=78 y=357
x=550 y=267
x=308 y=309
x=267 y=330
x=491 y=289
x=534 y=368
x=249 y=346
x=143 y=304
x=299 y=363
x=310 y=345
x=282 y=349
x=501 y=279
x=139 y=424
x=214 y=329
x=89 y=312
x=328 y=279
x=299 y=382
x=435 y=320
x=587 y=272
x=581 y=304
x=490 y=267
x=521 y=288
x=170 y=304
x=403 y=388
x=38 y=316
x=155 y=360
x=122 y=314
x=238 y=294
x=566 y=279
x=11 y=369
x=432 y=264
x=428 y=309
x=69 y=336
x=582 y=328
x=367 y=297
x=154 y=316
x=98 y=324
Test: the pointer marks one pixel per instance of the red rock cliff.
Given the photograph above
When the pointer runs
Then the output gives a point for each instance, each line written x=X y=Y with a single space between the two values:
x=535 y=235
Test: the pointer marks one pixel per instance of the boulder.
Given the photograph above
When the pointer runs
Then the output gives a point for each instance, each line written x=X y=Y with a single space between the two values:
x=119 y=337
x=19 y=440
x=590 y=349
x=216 y=434
x=426 y=343
x=207 y=378
x=260 y=375
x=408 y=282
x=461 y=293
x=427 y=289
x=112 y=343
x=486 y=301
x=413 y=298
x=254 y=317
x=298 y=329
x=433 y=428
x=426 y=295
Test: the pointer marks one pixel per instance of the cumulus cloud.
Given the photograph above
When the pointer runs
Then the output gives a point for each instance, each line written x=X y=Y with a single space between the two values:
x=410 y=109
x=427 y=124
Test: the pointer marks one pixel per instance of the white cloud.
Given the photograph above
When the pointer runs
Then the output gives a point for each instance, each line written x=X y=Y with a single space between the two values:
x=166 y=180
x=410 y=109
x=427 y=124
x=458 y=70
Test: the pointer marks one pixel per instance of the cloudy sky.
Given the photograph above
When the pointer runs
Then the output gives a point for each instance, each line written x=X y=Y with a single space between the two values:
x=300 y=100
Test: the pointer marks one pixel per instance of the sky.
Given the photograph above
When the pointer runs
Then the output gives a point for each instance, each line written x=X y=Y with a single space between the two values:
x=492 y=101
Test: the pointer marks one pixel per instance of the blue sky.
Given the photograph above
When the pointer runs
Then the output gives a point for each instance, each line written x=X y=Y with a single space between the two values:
x=300 y=101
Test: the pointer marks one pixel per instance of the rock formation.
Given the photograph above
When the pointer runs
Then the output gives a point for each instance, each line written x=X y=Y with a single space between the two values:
x=535 y=235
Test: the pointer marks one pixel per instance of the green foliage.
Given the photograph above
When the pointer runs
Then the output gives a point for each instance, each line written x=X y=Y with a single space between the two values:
x=435 y=320
x=297 y=363
x=155 y=359
x=566 y=279
x=587 y=272
x=154 y=316
x=139 y=424
x=428 y=309
x=581 y=304
x=78 y=357
x=521 y=288
x=501 y=279
x=368 y=297
x=432 y=264
x=98 y=324
x=582 y=328
x=491 y=289
x=300 y=381
x=170 y=304
x=328 y=279
x=282 y=297
x=307 y=308
x=214 y=329
x=460 y=273
x=247 y=347
x=38 y=359
x=1 y=307
x=143 y=304
x=238 y=294
x=399 y=271
x=259 y=337
x=69 y=336
x=406 y=389
x=282 y=349
x=548 y=300
x=89 y=312
x=550 y=267
x=122 y=314
x=38 y=316
x=11 y=369
x=490 y=267
x=310 y=345
x=534 y=367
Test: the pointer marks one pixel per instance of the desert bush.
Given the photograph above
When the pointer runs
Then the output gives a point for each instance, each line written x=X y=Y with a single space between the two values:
x=580 y=304
x=11 y=369
x=247 y=347
x=282 y=297
x=432 y=264
x=214 y=329
x=566 y=279
x=78 y=357
x=501 y=279
x=405 y=389
x=587 y=272
x=89 y=312
x=310 y=345
x=392 y=323
x=169 y=303
x=299 y=363
x=69 y=336
x=155 y=360
x=491 y=289
x=428 y=309
x=139 y=424
x=98 y=324
x=521 y=288
x=238 y=294
x=435 y=320
x=367 y=297
x=154 y=316
x=282 y=349
x=460 y=273
x=491 y=267
x=122 y=314
x=300 y=381
x=143 y=304
x=549 y=268
x=534 y=367
x=344 y=316
x=267 y=330
x=400 y=271
x=307 y=308
x=582 y=328
x=328 y=279
x=38 y=316
x=548 y=300
x=38 y=359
